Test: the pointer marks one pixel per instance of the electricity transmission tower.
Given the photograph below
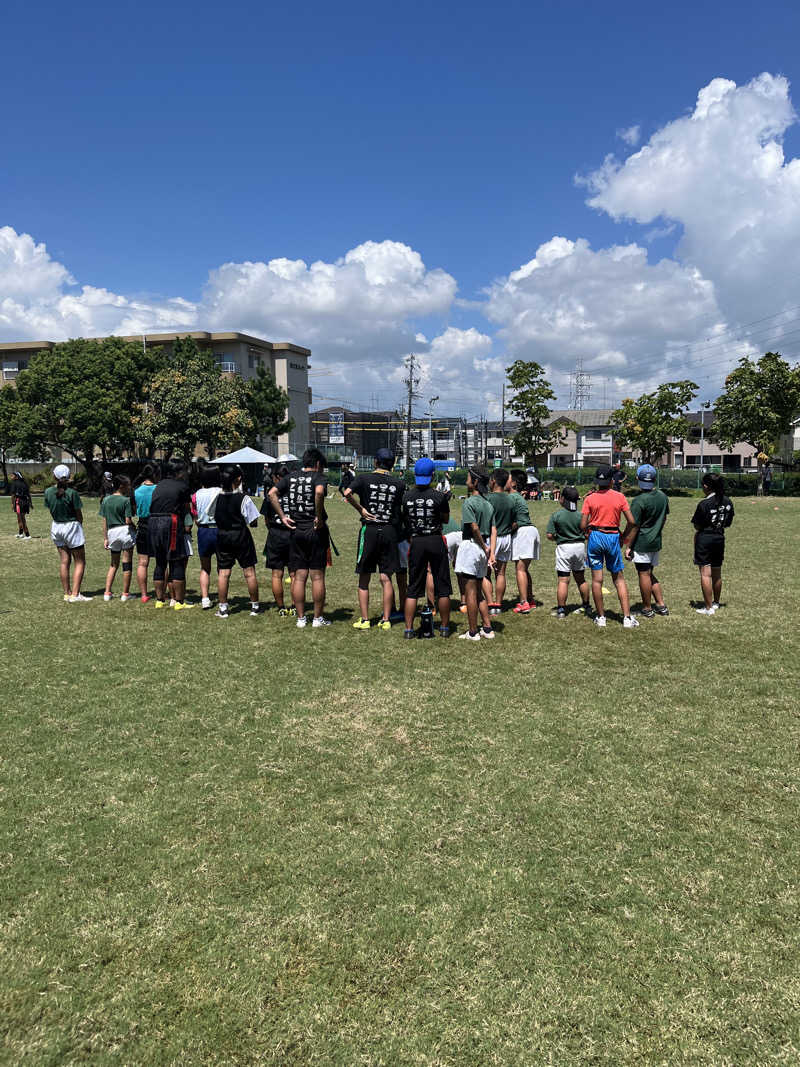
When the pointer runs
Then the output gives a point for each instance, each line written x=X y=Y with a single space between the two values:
x=580 y=387
x=410 y=381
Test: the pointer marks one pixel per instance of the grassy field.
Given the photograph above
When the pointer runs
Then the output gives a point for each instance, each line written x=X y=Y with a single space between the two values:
x=239 y=842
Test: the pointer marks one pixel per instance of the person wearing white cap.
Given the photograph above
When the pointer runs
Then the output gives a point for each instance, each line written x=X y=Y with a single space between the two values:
x=649 y=509
x=66 y=530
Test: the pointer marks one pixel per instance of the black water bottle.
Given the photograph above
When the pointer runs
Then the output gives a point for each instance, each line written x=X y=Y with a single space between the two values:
x=426 y=622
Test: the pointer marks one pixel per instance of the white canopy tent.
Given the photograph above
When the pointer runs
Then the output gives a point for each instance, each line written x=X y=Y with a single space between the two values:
x=246 y=455
x=286 y=457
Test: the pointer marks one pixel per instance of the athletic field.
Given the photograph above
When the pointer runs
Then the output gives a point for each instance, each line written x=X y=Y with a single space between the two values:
x=239 y=842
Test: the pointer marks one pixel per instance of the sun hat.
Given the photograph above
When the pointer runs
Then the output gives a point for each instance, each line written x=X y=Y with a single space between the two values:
x=603 y=475
x=423 y=471
x=646 y=475
x=61 y=470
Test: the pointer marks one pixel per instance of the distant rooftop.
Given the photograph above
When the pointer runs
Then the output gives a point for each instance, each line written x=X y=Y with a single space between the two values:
x=170 y=338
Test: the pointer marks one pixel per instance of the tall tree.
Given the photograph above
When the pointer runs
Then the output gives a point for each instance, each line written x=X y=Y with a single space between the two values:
x=532 y=393
x=268 y=405
x=760 y=402
x=85 y=394
x=190 y=402
x=19 y=430
x=646 y=425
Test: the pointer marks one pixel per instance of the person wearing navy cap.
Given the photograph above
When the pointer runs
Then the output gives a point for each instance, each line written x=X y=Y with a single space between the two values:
x=426 y=510
x=649 y=509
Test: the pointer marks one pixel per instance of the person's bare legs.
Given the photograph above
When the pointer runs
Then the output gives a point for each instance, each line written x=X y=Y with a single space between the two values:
x=582 y=584
x=251 y=580
x=483 y=608
x=444 y=612
x=205 y=576
x=160 y=587
x=79 y=559
x=471 y=600
x=716 y=583
x=388 y=595
x=112 y=572
x=64 y=560
x=127 y=561
x=645 y=588
x=410 y=609
x=277 y=588
x=562 y=590
x=429 y=590
x=487 y=587
x=223 y=583
x=142 y=563
x=299 y=592
x=524 y=580
x=402 y=586
x=500 y=583
x=363 y=595
x=178 y=589
x=707 y=584
x=318 y=592
x=622 y=592
x=597 y=592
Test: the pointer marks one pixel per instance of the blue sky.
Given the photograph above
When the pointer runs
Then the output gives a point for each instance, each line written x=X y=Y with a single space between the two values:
x=145 y=146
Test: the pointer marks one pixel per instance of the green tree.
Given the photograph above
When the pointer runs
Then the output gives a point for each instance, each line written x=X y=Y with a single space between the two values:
x=647 y=424
x=268 y=405
x=84 y=395
x=759 y=404
x=537 y=434
x=190 y=402
x=19 y=430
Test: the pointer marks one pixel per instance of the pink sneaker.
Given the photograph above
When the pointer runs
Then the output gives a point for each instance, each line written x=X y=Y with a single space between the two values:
x=145 y=598
x=523 y=608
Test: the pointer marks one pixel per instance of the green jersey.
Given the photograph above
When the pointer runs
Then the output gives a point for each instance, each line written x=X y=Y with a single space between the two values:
x=522 y=517
x=115 y=509
x=504 y=512
x=477 y=509
x=62 y=508
x=650 y=510
x=566 y=525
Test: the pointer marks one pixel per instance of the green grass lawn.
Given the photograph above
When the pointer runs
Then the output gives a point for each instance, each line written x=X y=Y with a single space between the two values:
x=239 y=842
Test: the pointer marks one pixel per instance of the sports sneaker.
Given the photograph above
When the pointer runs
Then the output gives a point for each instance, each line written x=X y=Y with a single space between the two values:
x=320 y=621
x=67 y=598
x=145 y=599
x=80 y=599
x=467 y=636
x=222 y=613
x=661 y=610
x=600 y=621
x=715 y=604
x=172 y=601
x=287 y=580
x=444 y=631
x=161 y=603
x=706 y=611
x=409 y=635
x=108 y=596
x=283 y=613
x=630 y=623
x=19 y=537
x=584 y=609
x=494 y=609
x=561 y=613
x=292 y=612
x=301 y=622
x=255 y=610
x=205 y=603
x=488 y=634
x=523 y=608
x=26 y=537
x=361 y=624
x=181 y=605
x=647 y=613
x=384 y=624
x=125 y=598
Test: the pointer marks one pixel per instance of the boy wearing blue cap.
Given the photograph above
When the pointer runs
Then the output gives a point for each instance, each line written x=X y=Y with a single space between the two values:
x=380 y=498
x=649 y=509
x=426 y=510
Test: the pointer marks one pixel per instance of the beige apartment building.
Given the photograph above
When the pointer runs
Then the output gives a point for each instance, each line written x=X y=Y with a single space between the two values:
x=236 y=353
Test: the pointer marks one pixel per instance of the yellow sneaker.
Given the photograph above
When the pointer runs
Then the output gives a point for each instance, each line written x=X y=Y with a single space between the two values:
x=181 y=605
x=384 y=624
x=161 y=603
x=362 y=624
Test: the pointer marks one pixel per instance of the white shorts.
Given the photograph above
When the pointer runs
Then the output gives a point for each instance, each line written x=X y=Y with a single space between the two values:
x=526 y=543
x=645 y=557
x=502 y=551
x=120 y=538
x=402 y=551
x=453 y=540
x=471 y=560
x=67 y=534
x=571 y=557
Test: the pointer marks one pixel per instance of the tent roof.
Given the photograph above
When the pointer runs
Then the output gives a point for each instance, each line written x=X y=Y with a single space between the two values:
x=245 y=455
x=286 y=457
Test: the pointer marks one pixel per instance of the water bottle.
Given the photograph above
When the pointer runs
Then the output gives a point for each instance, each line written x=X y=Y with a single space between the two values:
x=426 y=622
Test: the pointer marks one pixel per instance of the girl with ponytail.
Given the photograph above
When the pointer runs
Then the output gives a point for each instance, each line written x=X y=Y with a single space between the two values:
x=66 y=531
x=711 y=518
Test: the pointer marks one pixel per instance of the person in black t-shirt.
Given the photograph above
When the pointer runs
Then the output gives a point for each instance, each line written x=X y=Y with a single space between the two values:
x=426 y=511
x=306 y=518
x=235 y=512
x=345 y=478
x=169 y=506
x=276 y=549
x=21 y=504
x=711 y=519
x=379 y=503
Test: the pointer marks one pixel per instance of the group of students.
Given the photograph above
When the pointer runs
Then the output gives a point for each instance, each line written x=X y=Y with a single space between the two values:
x=406 y=535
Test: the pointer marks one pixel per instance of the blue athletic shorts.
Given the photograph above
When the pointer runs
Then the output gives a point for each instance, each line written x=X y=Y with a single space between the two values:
x=206 y=541
x=603 y=549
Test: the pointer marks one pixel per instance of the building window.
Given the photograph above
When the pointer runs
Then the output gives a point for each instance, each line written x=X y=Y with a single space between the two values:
x=592 y=434
x=253 y=359
x=226 y=363
x=10 y=369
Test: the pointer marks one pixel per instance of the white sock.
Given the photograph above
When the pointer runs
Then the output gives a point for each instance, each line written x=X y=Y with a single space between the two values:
x=254 y=605
x=224 y=607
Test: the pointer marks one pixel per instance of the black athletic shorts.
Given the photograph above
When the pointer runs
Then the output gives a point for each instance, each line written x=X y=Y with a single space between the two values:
x=428 y=549
x=709 y=549
x=276 y=549
x=166 y=538
x=142 y=544
x=235 y=548
x=308 y=549
x=377 y=547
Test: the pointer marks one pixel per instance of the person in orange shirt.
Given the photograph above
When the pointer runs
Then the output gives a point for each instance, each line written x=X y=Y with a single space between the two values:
x=600 y=515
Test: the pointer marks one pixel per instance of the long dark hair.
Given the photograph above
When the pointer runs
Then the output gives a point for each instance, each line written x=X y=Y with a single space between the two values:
x=716 y=484
x=230 y=475
x=148 y=473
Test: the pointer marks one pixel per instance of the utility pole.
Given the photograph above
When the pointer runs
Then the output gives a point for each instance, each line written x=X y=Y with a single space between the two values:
x=411 y=381
x=503 y=424
x=580 y=387
x=703 y=408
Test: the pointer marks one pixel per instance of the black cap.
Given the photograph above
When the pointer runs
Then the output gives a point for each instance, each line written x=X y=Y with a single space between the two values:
x=603 y=475
x=385 y=455
x=569 y=494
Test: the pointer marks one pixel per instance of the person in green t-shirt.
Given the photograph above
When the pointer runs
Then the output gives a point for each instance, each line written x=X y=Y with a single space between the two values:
x=66 y=532
x=650 y=509
x=503 y=507
x=119 y=534
x=476 y=551
x=564 y=528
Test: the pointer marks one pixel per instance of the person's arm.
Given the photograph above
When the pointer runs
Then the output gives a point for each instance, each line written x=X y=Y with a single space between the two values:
x=319 y=505
x=350 y=497
x=584 y=521
x=628 y=535
x=105 y=532
x=492 y=542
x=274 y=499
